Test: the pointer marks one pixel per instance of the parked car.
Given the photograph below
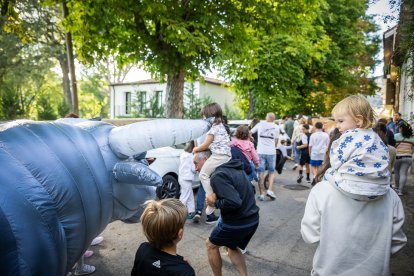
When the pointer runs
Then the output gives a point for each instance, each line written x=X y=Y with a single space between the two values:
x=233 y=124
x=166 y=161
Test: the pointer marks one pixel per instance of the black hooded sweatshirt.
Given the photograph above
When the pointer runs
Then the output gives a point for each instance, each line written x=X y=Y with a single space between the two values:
x=235 y=195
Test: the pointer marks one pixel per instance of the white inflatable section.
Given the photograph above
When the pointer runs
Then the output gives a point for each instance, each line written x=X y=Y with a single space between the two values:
x=142 y=136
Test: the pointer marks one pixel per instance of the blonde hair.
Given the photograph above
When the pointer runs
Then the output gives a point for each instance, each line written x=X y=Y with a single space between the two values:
x=356 y=105
x=161 y=221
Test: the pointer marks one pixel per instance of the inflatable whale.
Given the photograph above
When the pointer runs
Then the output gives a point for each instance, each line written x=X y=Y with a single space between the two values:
x=63 y=182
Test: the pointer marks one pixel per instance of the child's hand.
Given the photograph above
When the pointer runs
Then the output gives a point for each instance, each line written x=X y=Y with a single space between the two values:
x=195 y=149
x=211 y=199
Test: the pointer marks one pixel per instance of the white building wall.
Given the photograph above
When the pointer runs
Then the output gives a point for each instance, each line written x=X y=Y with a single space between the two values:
x=118 y=94
x=219 y=94
x=406 y=107
x=216 y=92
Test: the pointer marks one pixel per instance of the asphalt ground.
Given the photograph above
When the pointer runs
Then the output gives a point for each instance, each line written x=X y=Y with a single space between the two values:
x=276 y=249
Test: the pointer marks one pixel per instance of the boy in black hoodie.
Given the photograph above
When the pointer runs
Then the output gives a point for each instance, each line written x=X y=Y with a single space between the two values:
x=234 y=196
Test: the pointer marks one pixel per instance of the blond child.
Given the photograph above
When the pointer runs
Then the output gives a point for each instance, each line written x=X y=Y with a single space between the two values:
x=163 y=225
x=354 y=216
x=218 y=142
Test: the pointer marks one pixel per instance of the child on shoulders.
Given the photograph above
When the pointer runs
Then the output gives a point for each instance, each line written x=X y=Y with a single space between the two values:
x=354 y=211
x=243 y=142
x=218 y=142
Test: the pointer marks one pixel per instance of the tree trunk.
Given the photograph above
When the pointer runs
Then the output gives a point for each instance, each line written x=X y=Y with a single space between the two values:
x=174 y=95
x=252 y=103
x=71 y=62
x=63 y=61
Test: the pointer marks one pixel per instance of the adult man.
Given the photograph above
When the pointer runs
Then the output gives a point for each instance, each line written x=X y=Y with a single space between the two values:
x=289 y=126
x=234 y=196
x=268 y=134
x=398 y=121
x=318 y=143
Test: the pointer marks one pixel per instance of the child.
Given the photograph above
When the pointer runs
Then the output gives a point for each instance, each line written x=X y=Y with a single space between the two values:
x=163 y=225
x=302 y=145
x=355 y=216
x=243 y=142
x=186 y=173
x=318 y=143
x=218 y=141
x=284 y=148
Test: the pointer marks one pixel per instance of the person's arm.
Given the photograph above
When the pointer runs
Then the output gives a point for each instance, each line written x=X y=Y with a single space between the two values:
x=204 y=146
x=304 y=142
x=277 y=132
x=227 y=195
x=310 y=145
x=255 y=157
x=399 y=239
x=310 y=227
x=255 y=128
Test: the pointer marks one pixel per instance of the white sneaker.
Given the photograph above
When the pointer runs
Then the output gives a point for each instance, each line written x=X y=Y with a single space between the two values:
x=97 y=240
x=209 y=210
x=261 y=197
x=84 y=270
x=271 y=194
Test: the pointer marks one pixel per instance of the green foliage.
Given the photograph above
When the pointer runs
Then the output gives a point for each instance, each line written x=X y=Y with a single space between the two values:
x=93 y=97
x=231 y=113
x=22 y=74
x=45 y=109
x=405 y=52
x=193 y=103
x=151 y=108
x=317 y=53
x=170 y=38
x=63 y=108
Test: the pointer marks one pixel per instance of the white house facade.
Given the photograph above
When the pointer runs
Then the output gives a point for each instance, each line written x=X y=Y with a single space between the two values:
x=406 y=93
x=136 y=95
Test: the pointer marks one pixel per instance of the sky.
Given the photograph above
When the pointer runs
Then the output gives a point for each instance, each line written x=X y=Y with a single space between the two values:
x=379 y=9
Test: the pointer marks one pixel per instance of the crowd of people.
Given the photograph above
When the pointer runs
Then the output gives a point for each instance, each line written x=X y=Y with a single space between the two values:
x=353 y=211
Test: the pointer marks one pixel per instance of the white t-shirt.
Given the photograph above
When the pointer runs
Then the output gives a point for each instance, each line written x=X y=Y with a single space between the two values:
x=319 y=142
x=186 y=170
x=221 y=141
x=267 y=134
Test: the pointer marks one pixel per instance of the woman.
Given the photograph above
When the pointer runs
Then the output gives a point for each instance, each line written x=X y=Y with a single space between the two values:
x=405 y=149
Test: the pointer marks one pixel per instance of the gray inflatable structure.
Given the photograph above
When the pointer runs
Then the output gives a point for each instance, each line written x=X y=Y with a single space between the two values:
x=63 y=182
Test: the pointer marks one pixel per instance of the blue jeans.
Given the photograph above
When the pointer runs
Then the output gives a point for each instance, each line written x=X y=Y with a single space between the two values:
x=253 y=175
x=201 y=198
x=267 y=163
x=297 y=153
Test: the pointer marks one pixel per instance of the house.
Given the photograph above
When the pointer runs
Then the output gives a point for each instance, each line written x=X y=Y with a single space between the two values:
x=399 y=95
x=130 y=99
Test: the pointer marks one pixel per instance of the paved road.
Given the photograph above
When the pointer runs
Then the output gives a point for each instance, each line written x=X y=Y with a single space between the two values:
x=276 y=249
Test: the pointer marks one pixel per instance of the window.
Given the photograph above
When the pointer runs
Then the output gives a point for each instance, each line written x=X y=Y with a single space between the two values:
x=141 y=101
x=159 y=98
x=128 y=102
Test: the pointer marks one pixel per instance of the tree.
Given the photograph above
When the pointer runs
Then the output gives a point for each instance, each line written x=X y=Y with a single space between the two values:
x=35 y=23
x=319 y=51
x=176 y=39
x=93 y=96
x=22 y=74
